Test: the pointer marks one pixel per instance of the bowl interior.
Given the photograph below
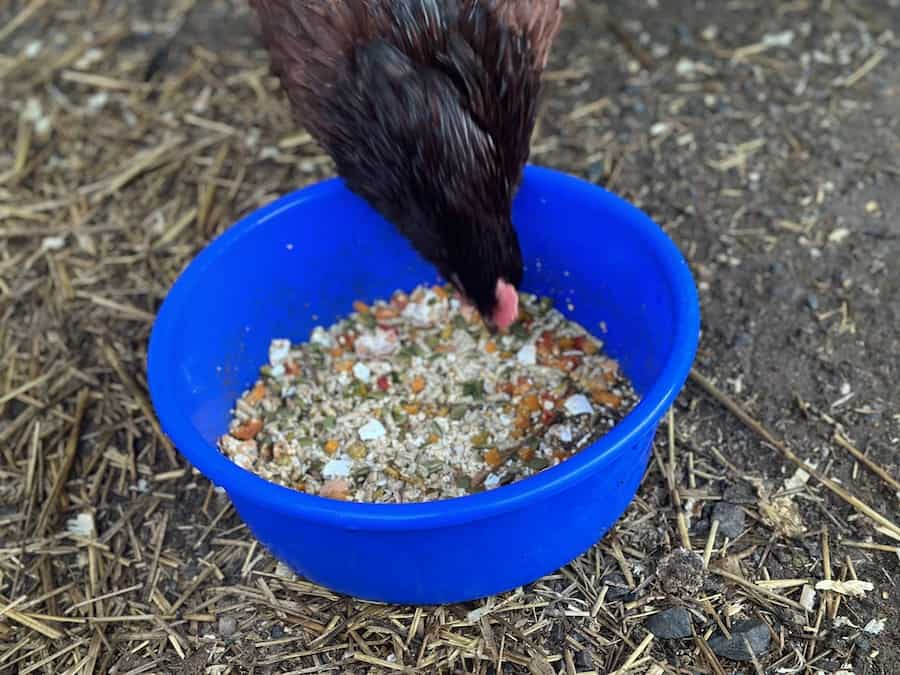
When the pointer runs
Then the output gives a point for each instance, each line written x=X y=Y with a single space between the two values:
x=304 y=259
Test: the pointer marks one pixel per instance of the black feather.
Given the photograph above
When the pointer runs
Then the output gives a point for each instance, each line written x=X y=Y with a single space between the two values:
x=427 y=109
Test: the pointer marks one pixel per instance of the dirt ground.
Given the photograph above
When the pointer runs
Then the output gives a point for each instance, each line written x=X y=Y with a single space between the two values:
x=764 y=136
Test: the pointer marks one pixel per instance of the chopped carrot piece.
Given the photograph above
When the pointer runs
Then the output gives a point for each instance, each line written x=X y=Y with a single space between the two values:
x=417 y=384
x=531 y=403
x=493 y=458
x=525 y=454
x=248 y=430
x=258 y=393
x=606 y=398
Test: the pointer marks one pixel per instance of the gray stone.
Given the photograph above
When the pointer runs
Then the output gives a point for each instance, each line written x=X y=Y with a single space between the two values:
x=739 y=493
x=671 y=624
x=227 y=625
x=731 y=519
x=743 y=633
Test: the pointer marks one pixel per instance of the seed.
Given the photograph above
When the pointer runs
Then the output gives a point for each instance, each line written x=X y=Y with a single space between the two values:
x=336 y=352
x=457 y=412
x=490 y=347
x=343 y=366
x=411 y=408
x=361 y=307
x=432 y=438
x=331 y=446
x=386 y=313
x=525 y=454
x=480 y=440
x=357 y=450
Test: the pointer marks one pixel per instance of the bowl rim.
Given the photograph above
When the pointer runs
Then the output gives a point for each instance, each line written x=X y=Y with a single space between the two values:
x=247 y=487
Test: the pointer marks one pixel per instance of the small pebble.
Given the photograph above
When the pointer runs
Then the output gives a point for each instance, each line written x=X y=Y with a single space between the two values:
x=227 y=626
x=756 y=634
x=731 y=519
x=371 y=431
x=739 y=493
x=671 y=624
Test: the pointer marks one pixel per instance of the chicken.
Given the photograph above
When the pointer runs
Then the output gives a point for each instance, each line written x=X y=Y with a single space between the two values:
x=427 y=108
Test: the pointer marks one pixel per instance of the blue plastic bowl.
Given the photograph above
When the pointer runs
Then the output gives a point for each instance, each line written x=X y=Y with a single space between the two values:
x=302 y=261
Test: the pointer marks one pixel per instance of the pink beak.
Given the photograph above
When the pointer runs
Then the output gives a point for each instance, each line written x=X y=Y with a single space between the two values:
x=507 y=310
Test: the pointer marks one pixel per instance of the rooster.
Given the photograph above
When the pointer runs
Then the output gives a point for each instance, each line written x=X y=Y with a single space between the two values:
x=427 y=108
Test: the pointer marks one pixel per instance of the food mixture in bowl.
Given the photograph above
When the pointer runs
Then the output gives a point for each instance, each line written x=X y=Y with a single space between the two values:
x=413 y=399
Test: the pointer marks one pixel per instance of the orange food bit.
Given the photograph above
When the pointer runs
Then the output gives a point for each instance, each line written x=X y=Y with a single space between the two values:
x=258 y=393
x=417 y=384
x=490 y=347
x=606 y=398
x=560 y=454
x=566 y=343
x=531 y=403
x=433 y=438
x=506 y=388
x=493 y=458
x=506 y=356
x=331 y=446
x=441 y=292
x=336 y=352
x=523 y=385
x=609 y=377
x=410 y=408
x=291 y=368
x=343 y=366
x=248 y=430
x=337 y=488
x=361 y=307
x=525 y=454
x=522 y=422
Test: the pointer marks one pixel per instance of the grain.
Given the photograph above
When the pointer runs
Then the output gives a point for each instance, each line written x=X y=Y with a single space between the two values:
x=413 y=399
